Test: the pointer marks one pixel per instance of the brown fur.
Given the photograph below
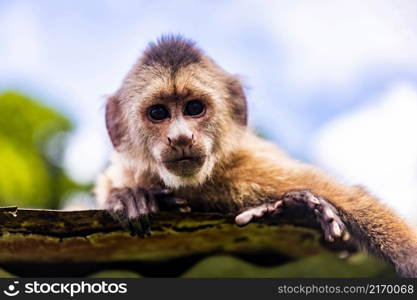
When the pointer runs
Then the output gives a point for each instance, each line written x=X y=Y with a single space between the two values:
x=244 y=170
x=114 y=123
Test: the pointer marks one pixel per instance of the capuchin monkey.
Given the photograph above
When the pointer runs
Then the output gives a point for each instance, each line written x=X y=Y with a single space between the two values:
x=178 y=124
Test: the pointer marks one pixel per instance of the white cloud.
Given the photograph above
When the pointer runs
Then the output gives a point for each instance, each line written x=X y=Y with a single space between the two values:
x=376 y=146
x=86 y=155
x=332 y=42
x=21 y=39
x=76 y=200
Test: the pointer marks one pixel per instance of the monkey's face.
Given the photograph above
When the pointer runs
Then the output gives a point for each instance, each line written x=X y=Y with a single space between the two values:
x=181 y=132
x=181 y=146
x=177 y=113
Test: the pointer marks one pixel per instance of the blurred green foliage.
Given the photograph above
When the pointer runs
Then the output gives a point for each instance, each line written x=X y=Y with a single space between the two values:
x=324 y=265
x=32 y=139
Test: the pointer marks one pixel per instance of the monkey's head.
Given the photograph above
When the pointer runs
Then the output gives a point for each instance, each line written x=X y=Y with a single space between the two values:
x=177 y=113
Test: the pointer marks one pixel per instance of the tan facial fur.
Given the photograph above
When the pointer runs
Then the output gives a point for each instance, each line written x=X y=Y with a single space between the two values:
x=181 y=149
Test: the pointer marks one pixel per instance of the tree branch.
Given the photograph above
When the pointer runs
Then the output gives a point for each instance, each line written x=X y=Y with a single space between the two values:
x=31 y=237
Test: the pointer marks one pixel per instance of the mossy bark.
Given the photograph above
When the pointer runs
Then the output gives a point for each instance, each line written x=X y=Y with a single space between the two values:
x=73 y=240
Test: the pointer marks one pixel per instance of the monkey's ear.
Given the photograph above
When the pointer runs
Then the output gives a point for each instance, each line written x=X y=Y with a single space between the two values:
x=238 y=101
x=114 y=120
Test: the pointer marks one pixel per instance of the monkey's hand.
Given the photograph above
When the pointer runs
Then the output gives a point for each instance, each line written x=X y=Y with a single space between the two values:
x=303 y=203
x=133 y=207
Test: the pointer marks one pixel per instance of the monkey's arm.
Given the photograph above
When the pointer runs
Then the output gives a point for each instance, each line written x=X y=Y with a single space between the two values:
x=378 y=229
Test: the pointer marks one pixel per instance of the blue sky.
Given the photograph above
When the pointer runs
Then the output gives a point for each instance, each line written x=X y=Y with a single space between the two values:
x=305 y=64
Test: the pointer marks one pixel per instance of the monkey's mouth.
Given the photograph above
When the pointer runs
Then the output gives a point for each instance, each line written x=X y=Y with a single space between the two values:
x=184 y=159
x=185 y=165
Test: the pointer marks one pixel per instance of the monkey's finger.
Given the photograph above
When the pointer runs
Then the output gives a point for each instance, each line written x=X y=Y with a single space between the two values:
x=120 y=217
x=328 y=214
x=328 y=237
x=346 y=236
x=276 y=208
x=246 y=216
x=151 y=203
x=144 y=202
x=327 y=232
x=325 y=226
x=278 y=205
x=243 y=218
x=136 y=227
x=313 y=200
x=333 y=229
x=336 y=229
x=146 y=224
x=131 y=213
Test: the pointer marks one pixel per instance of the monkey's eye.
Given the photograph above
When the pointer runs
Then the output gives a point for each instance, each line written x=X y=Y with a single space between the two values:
x=158 y=112
x=194 y=108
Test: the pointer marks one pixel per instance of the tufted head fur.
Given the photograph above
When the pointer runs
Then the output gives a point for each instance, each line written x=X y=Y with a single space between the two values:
x=173 y=75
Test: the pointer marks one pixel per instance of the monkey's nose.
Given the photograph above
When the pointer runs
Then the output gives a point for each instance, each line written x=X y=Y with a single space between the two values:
x=181 y=142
